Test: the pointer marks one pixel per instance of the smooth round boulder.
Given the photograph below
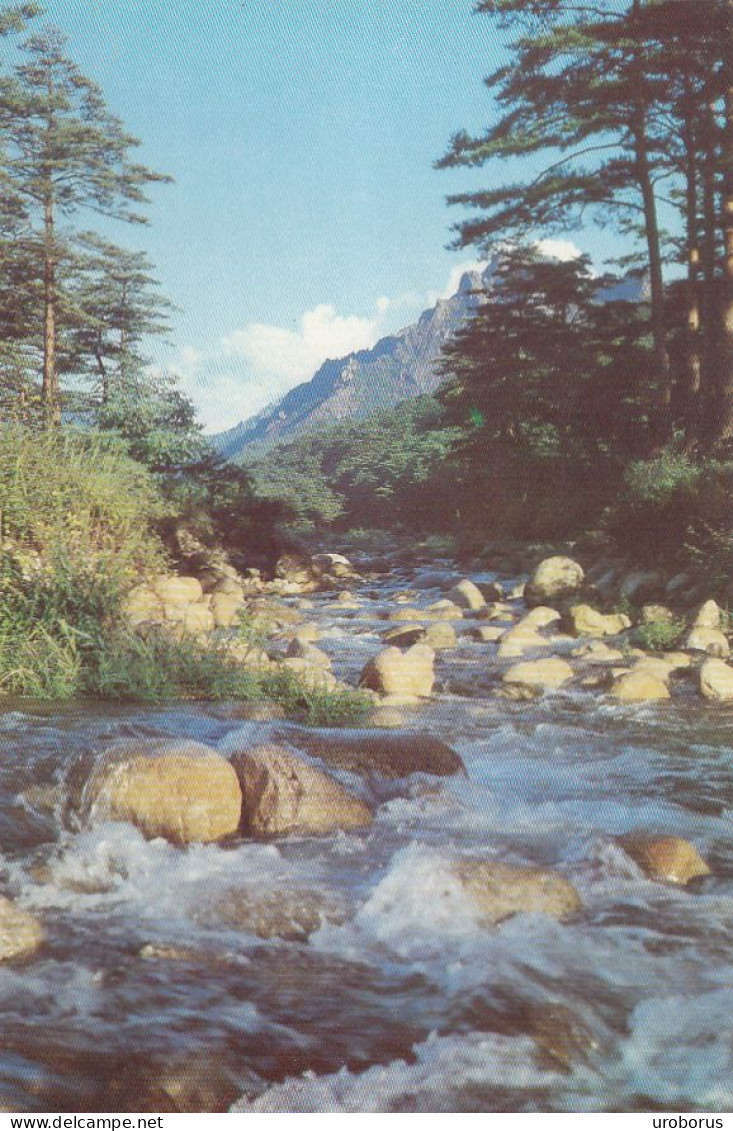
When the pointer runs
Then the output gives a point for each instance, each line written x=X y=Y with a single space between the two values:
x=387 y=755
x=533 y=677
x=710 y=640
x=20 y=932
x=639 y=686
x=518 y=640
x=406 y=674
x=467 y=595
x=709 y=615
x=503 y=890
x=174 y=590
x=716 y=681
x=539 y=617
x=584 y=620
x=226 y=609
x=555 y=579
x=292 y=915
x=282 y=794
x=668 y=858
x=180 y=790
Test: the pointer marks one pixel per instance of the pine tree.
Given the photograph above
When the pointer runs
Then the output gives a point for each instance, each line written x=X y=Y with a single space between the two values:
x=65 y=153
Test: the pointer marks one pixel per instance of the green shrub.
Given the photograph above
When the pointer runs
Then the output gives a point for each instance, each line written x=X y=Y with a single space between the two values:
x=659 y=635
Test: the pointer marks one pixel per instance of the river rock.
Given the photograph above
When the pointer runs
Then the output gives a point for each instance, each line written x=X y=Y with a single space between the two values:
x=387 y=755
x=668 y=858
x=20 y=932
x=491 y=590
x=226 y=608
x=196 y=620
x=440 y=636
x=533 y=677
x=555 y=579
x=312 y=676
x=404 y=637
x=518 y=640
x=656 y=614
x=498 y=611
x=709 y=615
x=174 y=590
x=639 y=686
x=407 y=674
x=443 y=610
x=292 y=915
x=584 y=620
x=716 y=680
x=308 y=633
x=596 y=652
x=487 y=633
x=173 y=788
x=467 y=595
x=710 y=640
x=336 y=565
x=285 y=794
x=306 y=651
x=539 y=617
x=502 y=890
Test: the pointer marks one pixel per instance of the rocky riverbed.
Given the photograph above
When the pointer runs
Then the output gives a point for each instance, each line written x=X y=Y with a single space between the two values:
x=510 y=889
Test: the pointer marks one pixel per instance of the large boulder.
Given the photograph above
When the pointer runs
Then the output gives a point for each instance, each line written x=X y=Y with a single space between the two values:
x=406 y=674
x=541 y=616
x=668 y=858
x=709 y=615
x=20 y=932
x=639 y=686
x=285 y=794
x=716 y=680
x=584 y=620
x=533 y=677
x=173 y=788
x=386 y=755
x=467 y=595
x=710 y=640
x=555 y=579
x=404 y=637
x=503 y=890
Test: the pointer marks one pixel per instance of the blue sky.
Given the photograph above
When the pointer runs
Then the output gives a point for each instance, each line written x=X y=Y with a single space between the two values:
x=306 y=218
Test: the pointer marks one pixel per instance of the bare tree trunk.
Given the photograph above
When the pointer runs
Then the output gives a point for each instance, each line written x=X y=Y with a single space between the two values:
x=709 y=296
x=693 y=359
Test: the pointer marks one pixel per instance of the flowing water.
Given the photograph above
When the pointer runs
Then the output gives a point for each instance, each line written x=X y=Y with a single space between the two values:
x=149 y=995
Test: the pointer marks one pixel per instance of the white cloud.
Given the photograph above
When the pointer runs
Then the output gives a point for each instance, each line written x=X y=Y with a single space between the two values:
x=292 y=355
x=564 y=250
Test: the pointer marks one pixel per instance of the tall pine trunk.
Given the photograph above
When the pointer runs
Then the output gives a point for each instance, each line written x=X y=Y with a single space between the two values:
x=693 y=359
x=709 y=289
x=50 y=388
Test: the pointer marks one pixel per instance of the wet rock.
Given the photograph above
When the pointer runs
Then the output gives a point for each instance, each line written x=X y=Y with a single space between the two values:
x=306 y=651
x=390 y=718
x=639 y=686
x=716 y=681
x=555 y=579
x=668 y=858
x=533 y=677
x=517 y=641
x=710 y=640
x=498 y=611
x=562 y=1039
x=541 y=616
x=255 y=711
x=583 y=620
x=292 y=915
x=487 y=633
x=596 y=652
x=177 y=789
x=434 y=580
x=440 y=636
x=443 y=610
x=709 y=615
x=503 y=890
x=387 y=755
x=285 y=794
x=467 y=596
x=408 y=674
x=20 y=932
x=491 y=590
x=404 y=637
x=335 y=565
